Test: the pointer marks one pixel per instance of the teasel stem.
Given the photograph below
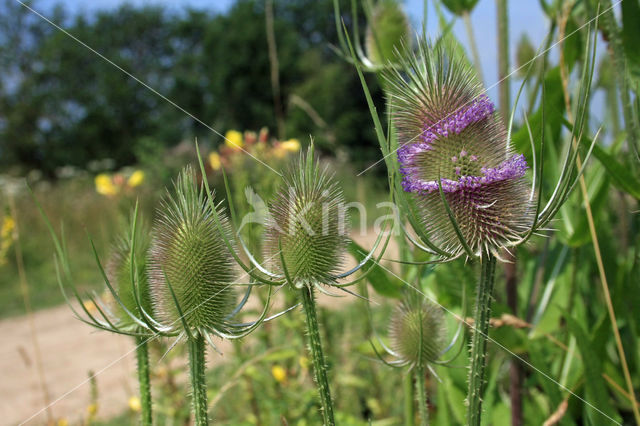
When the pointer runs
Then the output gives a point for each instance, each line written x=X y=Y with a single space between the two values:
x=466 y=17
x=409 y=415
x=421 y=394
x=196 y=363
x=479 y=339
x=319 y=366
x=142 y=353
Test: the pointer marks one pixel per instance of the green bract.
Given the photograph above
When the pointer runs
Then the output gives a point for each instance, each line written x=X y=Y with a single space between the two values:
x=190 y=259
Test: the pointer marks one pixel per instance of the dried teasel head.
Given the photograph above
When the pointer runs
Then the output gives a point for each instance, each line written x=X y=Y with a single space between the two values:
x=454 y=155
x=131 y=285
x=417 y=331
x=306 y=231
x=191 y=270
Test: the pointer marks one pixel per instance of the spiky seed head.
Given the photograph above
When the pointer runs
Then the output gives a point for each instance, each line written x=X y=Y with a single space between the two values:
x=189 y=254
x=388 y=29
x=119 y=273
x=451 y=136
x=417 y=331
x=307 y=220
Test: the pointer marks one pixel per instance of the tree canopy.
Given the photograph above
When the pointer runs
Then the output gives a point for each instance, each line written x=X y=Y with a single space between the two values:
x=61 y=104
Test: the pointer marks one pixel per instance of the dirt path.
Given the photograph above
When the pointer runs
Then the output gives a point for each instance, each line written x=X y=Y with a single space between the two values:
x=70 y=350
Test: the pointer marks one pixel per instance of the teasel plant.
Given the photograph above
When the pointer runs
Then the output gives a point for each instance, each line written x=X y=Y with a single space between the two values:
x=456 y=178
x=129 y=312
x=194 y=278
x=417 y=335
x=306 y=235
x=180 y=283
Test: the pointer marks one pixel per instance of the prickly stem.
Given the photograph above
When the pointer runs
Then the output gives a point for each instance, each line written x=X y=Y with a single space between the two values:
x=479 y=340
x=142 y=352
x=421 y=394
x=196 y=348
x=409 y=415
x=319 y=366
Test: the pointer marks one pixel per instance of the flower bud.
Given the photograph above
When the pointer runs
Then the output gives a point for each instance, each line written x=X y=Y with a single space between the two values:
x=417 y=331
x=189 y=254
x=307 y=222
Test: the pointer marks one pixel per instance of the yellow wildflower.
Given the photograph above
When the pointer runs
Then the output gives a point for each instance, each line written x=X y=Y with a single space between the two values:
x=233 y=139
x=135 y=179
x=104 y=185
x=92 y=410
x=214 y=161
x=291 y=145
x=6 y=237
x=278 y=151
x=62 y=422
x=279 y=373
x=8 y=225
x=134 y=404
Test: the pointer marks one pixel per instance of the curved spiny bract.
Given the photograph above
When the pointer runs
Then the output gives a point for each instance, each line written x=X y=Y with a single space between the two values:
x=120 y=275
x=307 y=223
x=189 y=258
x=452 y=139
x=417 y=331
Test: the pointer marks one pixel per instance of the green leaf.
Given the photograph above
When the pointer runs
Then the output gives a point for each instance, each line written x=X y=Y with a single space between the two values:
x=596 y=391
x=622 y=177
x=380 y=280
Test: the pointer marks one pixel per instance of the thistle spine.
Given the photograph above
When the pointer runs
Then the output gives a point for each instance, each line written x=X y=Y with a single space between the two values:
x=196 y=348
x=315 y=344
x=479 y=340
x=142 y=353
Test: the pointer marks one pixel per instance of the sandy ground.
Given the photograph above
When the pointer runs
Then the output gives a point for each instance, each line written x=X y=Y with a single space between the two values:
x=70 y=350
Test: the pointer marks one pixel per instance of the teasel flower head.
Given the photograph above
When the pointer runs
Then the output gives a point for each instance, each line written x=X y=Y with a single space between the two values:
x=132 y=286
x=306 y=231
x=455 y=159
x=417 y=331
x=191 y=269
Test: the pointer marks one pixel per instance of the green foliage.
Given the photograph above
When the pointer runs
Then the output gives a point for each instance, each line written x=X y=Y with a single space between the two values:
x=74 y=107
x=630 y=34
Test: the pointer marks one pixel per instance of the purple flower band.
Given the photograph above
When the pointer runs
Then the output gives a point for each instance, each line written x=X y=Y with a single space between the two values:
x=479 y=109
x=515 y=167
